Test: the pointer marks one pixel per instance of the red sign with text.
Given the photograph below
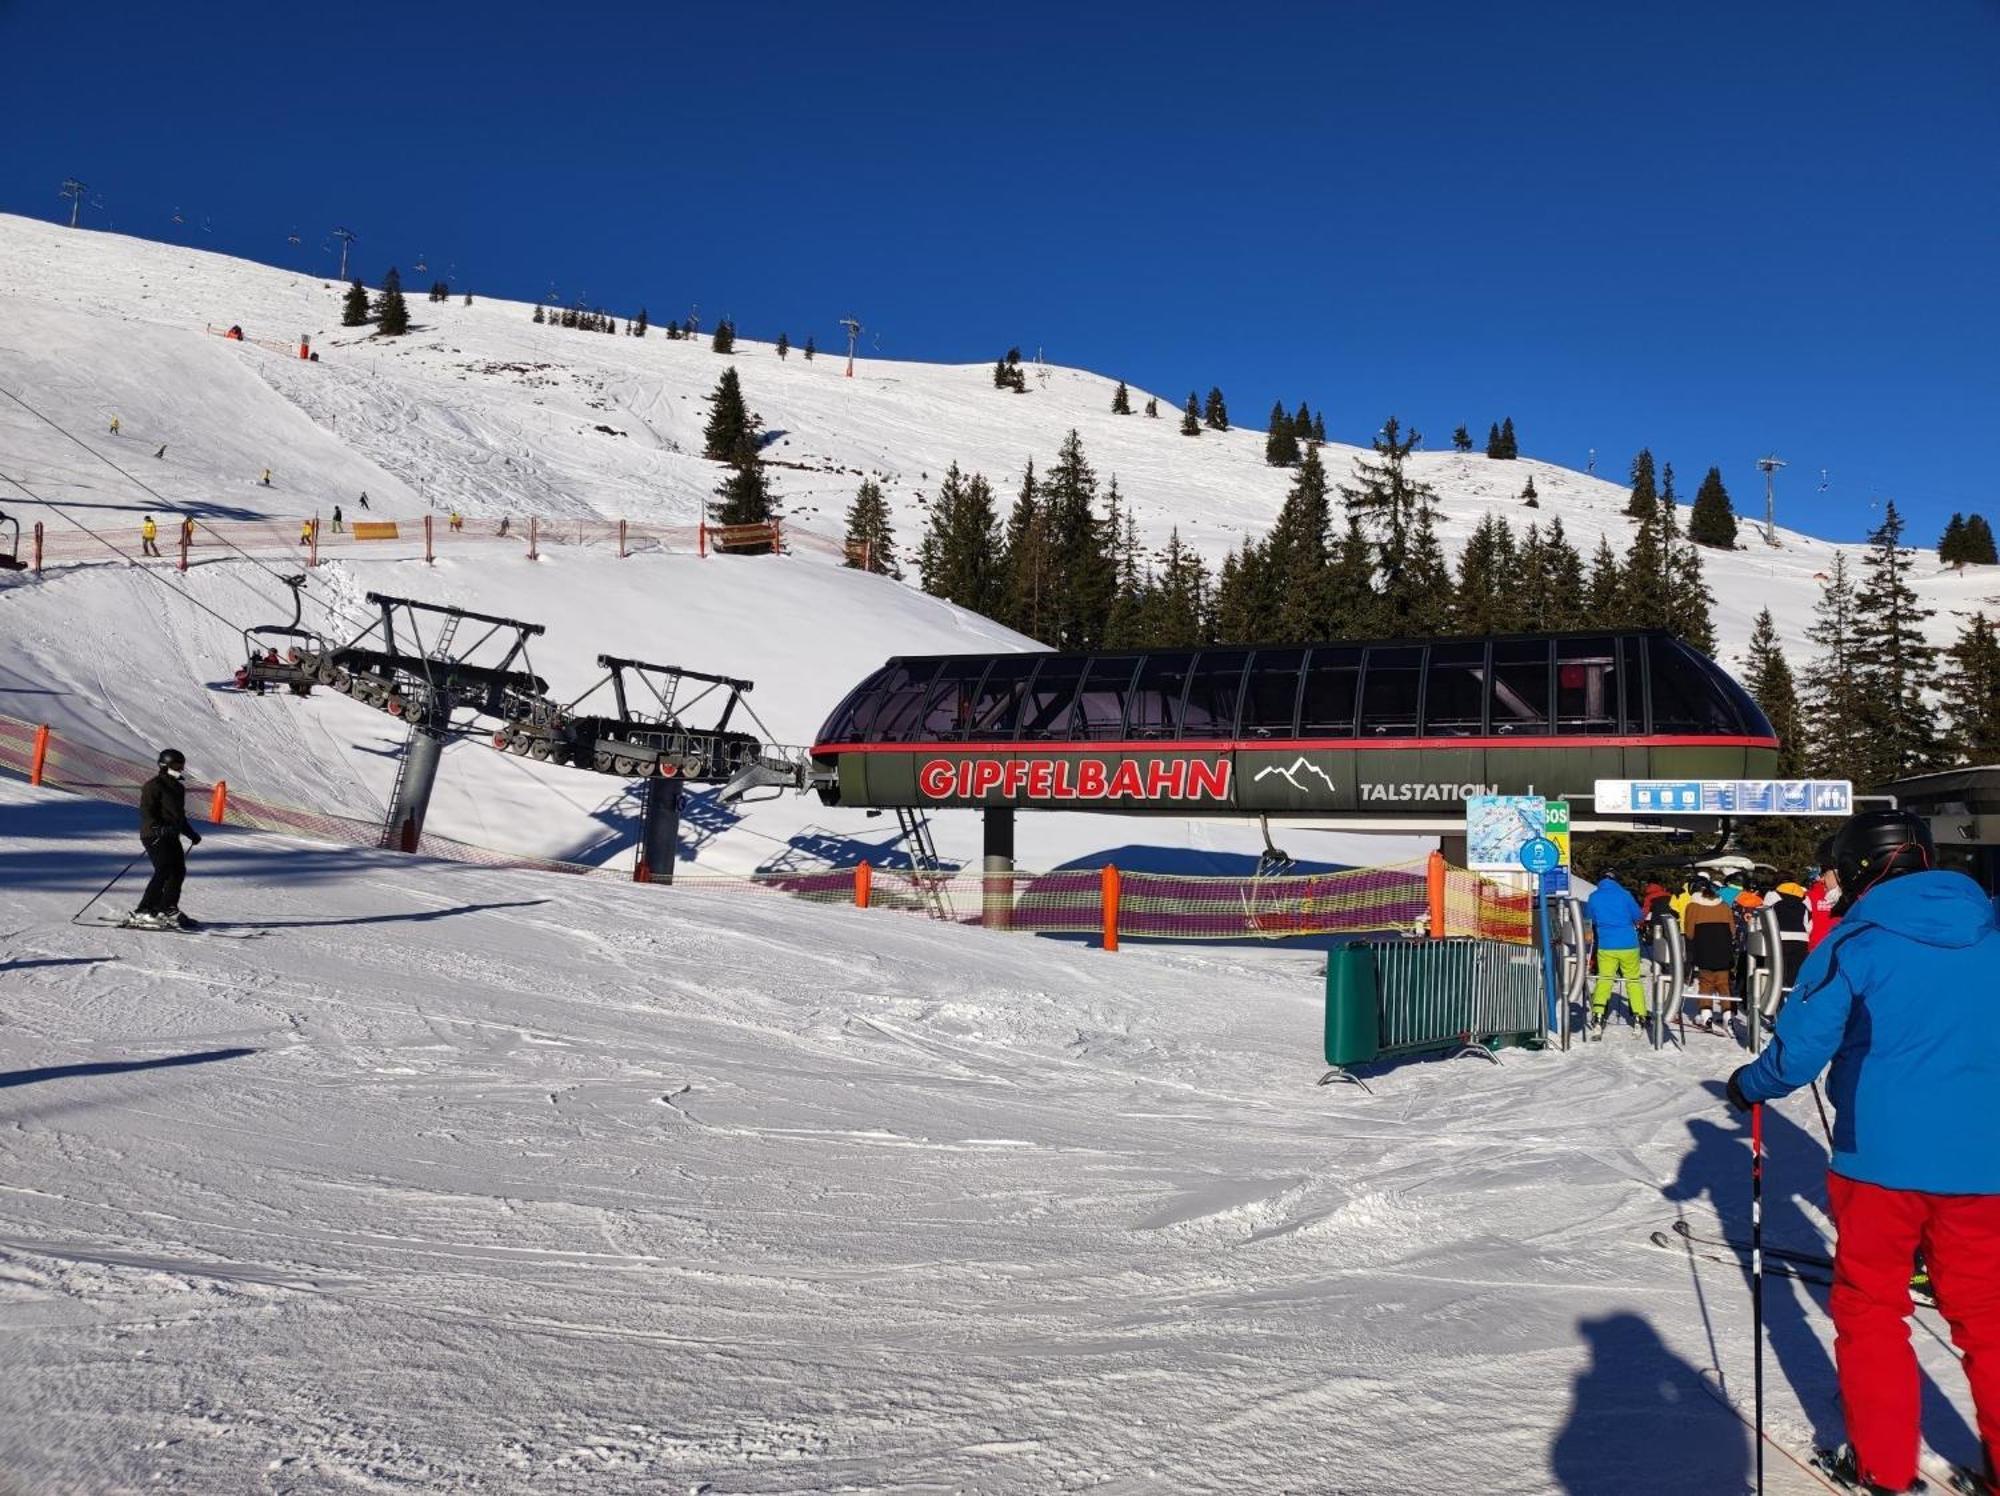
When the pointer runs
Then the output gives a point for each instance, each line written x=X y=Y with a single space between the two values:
x=1075 y=779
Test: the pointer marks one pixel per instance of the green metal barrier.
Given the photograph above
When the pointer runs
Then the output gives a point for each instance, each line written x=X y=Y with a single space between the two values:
x=1390 y=998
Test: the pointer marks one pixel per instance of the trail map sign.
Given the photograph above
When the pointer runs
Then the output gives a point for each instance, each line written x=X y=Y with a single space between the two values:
x=1497 y=827
x=1725 y=797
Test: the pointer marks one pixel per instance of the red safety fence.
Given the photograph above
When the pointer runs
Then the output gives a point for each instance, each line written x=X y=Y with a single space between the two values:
x=1407 y=898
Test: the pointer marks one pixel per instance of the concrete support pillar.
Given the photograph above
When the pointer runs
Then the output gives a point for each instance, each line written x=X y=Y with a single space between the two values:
x=413 y=790
x=997 y=902
x=659 y=841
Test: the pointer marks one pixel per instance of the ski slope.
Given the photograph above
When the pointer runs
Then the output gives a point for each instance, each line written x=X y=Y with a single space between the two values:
x=457 y=1179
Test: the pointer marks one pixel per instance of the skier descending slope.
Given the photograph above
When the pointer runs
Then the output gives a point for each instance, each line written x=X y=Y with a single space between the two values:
x=1904 y=1001
x=162 y=823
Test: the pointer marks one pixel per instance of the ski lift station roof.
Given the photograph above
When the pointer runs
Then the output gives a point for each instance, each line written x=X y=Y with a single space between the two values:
x=1388 y=727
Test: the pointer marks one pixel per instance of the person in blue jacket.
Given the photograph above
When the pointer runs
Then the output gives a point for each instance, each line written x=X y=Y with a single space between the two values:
x=1903 y=1001
x=1616 y=916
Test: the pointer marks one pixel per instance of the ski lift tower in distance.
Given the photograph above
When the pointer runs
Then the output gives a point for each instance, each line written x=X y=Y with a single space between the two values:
x=1770 y=466
x=346 y=236
x=74 y=191
x=853 y=326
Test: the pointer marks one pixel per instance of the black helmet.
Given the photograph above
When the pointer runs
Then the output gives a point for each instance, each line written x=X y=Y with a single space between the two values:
x=172 y=758
x=1878 y=845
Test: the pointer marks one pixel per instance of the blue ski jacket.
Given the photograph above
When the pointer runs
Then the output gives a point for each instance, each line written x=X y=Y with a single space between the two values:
x=1903 y=999
x=1616 y=916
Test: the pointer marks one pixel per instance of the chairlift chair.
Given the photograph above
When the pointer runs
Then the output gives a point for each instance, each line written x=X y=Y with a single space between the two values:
x=10 y=551
x=282 y=654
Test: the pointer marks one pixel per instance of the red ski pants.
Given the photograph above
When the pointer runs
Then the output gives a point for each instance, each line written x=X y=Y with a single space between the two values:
x=1881 y=1232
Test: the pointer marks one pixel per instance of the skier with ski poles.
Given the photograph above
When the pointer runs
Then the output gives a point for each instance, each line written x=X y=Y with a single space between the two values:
x=162 y=823
x=1903 y=1000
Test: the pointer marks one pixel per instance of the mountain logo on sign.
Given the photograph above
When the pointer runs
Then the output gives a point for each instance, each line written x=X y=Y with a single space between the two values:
x=1289 y=773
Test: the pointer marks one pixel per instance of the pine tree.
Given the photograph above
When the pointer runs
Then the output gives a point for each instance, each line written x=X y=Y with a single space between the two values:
x=1494 y=447
x=1690 y=606
x=1243 y=596
x=1215 y=413
x=674 y=329
x=1319 y=428
x=1350 y=608
x=1025 y=561
x=639 y=327
x=743 y=498
x=1979 y=542
x=1084 y=579
x=354 y=308
x=1782 y=841
x=1281 y=446
x=1838 y=747
x=392 y=316
x=1002 y=378
x=810 y=350
x=1893 y=661
x=1528 y=495
x=1176 y=615
x=1488 y=595
x=1713 y=522
x=1645 y=500
x=1121 y=400
x=1509 y=447
x=1415 y=586
x=1951 y=545
x=729 y=419
x=961 y=557
x=1602 y=594
x=871 y=542
x=468 y=298
x=539 y=317
x=1191 y=418
x=1461 y=439
x=1972 y=693
x=723 y=339
x=1302 y=423
x=1296 y=555
x=784 y=345
x=1152 y=408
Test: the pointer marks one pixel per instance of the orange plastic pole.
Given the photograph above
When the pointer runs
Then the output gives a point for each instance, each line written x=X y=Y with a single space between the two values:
x=429 y=558
x=864 y=883
x=1109 y=884
x=41 y=758
x=640 y=872
x=701 y=539
x=1434 y=886
x=218 y=803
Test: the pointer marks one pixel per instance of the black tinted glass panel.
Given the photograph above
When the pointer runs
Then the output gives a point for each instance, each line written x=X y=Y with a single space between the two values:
x=1333 y=686
x=899 y=704
x=1587 y=686
x=1633 y=672
x=948 y=708
x=998 y=703
x=1155 y=710
x=1214 y=692
x=1271 y=696
x=842 y=726
x=1455 y=691
x=1520 y=687
x=1389 y=692
x=1046 y=713
x=1694 y=695
x=1100 y=706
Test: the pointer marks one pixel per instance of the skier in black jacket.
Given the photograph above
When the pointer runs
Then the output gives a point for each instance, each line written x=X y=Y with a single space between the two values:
x=162 y=823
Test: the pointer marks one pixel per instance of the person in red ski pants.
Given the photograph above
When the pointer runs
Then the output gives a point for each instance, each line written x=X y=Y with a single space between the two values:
x=1902 y=1001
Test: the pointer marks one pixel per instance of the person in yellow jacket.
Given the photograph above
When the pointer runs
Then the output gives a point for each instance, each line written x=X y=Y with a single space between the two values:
x=305 y=532
x=149 y=535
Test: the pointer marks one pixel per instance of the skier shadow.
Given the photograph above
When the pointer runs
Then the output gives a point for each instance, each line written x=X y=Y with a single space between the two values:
x=413 y=917
x=1640 y=1421
x=10 y=1078
x=1718 y=1167
x=31 y=962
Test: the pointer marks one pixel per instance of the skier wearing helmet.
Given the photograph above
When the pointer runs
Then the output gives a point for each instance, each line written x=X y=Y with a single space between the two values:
x=1903 y=1000
x=162 y=823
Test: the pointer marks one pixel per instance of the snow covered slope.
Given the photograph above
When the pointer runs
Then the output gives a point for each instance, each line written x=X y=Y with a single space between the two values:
x=454 y=1179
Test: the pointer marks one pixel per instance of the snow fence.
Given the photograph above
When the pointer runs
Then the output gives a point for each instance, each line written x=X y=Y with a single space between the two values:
x=1407 y=899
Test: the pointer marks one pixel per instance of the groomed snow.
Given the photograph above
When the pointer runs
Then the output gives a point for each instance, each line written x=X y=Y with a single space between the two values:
x=456 y=1179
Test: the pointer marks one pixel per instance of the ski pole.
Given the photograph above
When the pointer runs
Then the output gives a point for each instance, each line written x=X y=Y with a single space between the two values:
x=1757 y=1275
x=1824 y=1125
x=106 y=888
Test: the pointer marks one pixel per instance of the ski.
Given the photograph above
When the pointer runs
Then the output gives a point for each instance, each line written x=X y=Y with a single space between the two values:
x=1712 y=1380
x=201 y=931
x=1785 y=1254
x=1800 y=1271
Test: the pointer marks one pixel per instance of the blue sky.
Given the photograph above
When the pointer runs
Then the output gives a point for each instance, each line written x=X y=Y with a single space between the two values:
x=1713 y=228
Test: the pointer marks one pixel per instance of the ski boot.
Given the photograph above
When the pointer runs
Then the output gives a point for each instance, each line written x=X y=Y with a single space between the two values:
x=1841 y=1467
x=146 y=919
x=179 y=920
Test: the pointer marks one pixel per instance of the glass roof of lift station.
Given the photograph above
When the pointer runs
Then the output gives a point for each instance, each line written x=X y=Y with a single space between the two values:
x=1578 y=685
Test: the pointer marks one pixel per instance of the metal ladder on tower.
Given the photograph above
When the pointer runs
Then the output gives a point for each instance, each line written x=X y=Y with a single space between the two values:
x=929 y=876
x=392 y=834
